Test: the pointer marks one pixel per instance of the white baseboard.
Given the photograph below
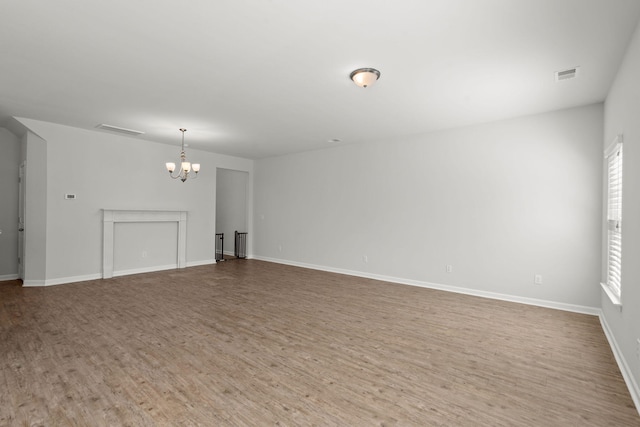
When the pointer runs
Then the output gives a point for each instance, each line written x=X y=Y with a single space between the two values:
x=163 y=267
x=627 y=374
x=202 y=262
x=8 y=277
x=32 y=283
x=144 y=270
x=74 y=279
x=467 y=291
x=61 y=280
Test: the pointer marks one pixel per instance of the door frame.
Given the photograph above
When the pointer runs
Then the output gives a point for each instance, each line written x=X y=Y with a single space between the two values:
x=21 y=216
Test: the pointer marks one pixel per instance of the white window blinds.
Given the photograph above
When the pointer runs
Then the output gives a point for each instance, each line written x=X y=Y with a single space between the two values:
x=614 y=216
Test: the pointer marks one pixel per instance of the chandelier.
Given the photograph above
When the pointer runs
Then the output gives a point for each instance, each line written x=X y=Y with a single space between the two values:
x=185 y=166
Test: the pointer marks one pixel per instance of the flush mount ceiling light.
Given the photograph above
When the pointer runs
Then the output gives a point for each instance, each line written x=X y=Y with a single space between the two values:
x=185 y=166
x=365 y=77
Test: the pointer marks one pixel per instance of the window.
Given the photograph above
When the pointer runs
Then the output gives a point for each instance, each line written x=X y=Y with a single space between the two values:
x=613 y=157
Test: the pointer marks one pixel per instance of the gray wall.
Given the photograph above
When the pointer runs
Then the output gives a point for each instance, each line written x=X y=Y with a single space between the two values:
x=9 y=164
x=622 y=116
x=107 y=171
x=36 y=242
x=500 y=202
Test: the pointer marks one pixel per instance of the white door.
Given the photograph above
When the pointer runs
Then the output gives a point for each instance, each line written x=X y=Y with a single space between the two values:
x=21 y=199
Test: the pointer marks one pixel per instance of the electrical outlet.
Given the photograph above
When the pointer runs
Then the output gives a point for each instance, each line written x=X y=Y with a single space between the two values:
x=365 y=258
x=144 y=254
x=638 y=348
x=537 y=279
x=449 y=268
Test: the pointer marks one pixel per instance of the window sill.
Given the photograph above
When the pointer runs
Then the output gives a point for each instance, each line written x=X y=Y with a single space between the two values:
x=615 y=299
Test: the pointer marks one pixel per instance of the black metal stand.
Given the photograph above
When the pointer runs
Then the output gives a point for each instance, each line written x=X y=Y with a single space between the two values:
x=241 y=245
x=219 y=247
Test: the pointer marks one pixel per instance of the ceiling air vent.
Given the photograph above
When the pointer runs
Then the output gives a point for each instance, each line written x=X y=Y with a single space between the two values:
x=119 y=129
x=571 y=73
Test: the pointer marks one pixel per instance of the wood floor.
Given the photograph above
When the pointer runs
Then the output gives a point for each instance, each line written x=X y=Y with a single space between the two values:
x=250 y=343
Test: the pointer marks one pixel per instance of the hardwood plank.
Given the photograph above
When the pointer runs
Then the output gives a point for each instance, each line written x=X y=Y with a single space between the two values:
x=246 y=342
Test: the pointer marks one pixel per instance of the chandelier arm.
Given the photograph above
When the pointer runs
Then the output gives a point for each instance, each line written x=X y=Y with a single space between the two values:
x=184 y=175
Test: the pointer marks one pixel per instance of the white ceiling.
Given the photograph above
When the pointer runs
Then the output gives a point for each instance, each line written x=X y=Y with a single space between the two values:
x=258 y=78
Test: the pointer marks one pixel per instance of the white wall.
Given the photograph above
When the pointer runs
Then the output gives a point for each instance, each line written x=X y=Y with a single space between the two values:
x=231 y=206
x=35 y=220
x=107 y=171
x=622 y=116
x=500 y=202
x=9 y=165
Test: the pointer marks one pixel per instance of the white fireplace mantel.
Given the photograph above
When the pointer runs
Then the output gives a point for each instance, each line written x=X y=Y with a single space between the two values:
x=110 y=217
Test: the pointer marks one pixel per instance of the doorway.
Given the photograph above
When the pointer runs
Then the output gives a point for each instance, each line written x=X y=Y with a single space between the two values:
x=231 y=206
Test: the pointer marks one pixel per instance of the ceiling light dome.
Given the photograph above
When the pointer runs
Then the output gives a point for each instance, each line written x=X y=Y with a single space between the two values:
x=365 y=77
